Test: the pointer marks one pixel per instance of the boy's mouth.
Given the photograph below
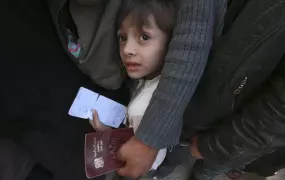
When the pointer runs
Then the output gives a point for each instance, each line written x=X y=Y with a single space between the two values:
x=132 y=66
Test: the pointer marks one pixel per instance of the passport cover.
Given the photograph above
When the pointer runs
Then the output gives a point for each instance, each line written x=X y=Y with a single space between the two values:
x=100 y=150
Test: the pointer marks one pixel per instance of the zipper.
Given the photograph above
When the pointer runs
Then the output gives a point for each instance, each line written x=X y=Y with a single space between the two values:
x=238 y=90
x=170 y=148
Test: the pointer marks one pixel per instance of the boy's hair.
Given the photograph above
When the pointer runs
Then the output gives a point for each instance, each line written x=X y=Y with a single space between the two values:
x=163 y=12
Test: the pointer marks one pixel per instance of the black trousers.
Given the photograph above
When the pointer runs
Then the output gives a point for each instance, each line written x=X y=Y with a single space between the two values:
x=38 y=85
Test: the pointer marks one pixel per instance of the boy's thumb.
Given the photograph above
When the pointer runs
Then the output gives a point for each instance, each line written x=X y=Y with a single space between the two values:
x=95 y=114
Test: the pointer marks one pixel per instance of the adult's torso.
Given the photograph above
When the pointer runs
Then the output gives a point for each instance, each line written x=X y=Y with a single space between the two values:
x=241 y=61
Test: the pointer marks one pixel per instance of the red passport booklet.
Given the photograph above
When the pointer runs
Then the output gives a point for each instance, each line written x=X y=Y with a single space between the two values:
x=100 y=150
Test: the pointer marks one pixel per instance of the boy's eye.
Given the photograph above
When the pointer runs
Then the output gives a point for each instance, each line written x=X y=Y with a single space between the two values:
x=122 y=38
x=145 y=37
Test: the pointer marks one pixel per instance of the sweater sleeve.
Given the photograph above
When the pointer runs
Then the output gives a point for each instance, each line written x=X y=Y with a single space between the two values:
x=184 y=65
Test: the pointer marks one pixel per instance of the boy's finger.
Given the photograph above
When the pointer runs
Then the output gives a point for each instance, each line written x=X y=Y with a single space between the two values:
x=96 y=120
x=95 y=114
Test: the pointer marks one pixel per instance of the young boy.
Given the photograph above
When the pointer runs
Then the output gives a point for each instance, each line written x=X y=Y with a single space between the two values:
x=145 y=28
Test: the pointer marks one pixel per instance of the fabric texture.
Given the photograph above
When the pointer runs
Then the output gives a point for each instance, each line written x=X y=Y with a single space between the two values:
x=253 y=126
x=238 y=106
x=241 y=57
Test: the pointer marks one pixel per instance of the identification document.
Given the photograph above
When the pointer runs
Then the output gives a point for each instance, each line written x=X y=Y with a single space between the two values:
x=110 y=112
x=101 y=148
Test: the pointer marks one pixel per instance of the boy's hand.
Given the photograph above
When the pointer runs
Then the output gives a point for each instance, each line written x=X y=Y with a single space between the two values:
x=97 y=124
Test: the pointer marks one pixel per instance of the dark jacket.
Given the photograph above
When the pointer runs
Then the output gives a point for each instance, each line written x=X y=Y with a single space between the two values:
x=242 y=89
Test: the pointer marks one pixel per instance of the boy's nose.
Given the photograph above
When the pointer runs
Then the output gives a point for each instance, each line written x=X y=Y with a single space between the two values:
x=130 y=49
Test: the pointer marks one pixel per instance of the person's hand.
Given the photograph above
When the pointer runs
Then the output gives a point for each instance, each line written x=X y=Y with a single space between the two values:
x=194 y=148
x=97 y=124
x=138 y=157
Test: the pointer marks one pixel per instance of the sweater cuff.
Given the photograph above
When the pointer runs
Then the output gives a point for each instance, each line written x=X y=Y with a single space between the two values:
x=163 y=137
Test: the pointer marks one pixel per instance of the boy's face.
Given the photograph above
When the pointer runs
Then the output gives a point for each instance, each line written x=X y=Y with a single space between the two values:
x=142 y=52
